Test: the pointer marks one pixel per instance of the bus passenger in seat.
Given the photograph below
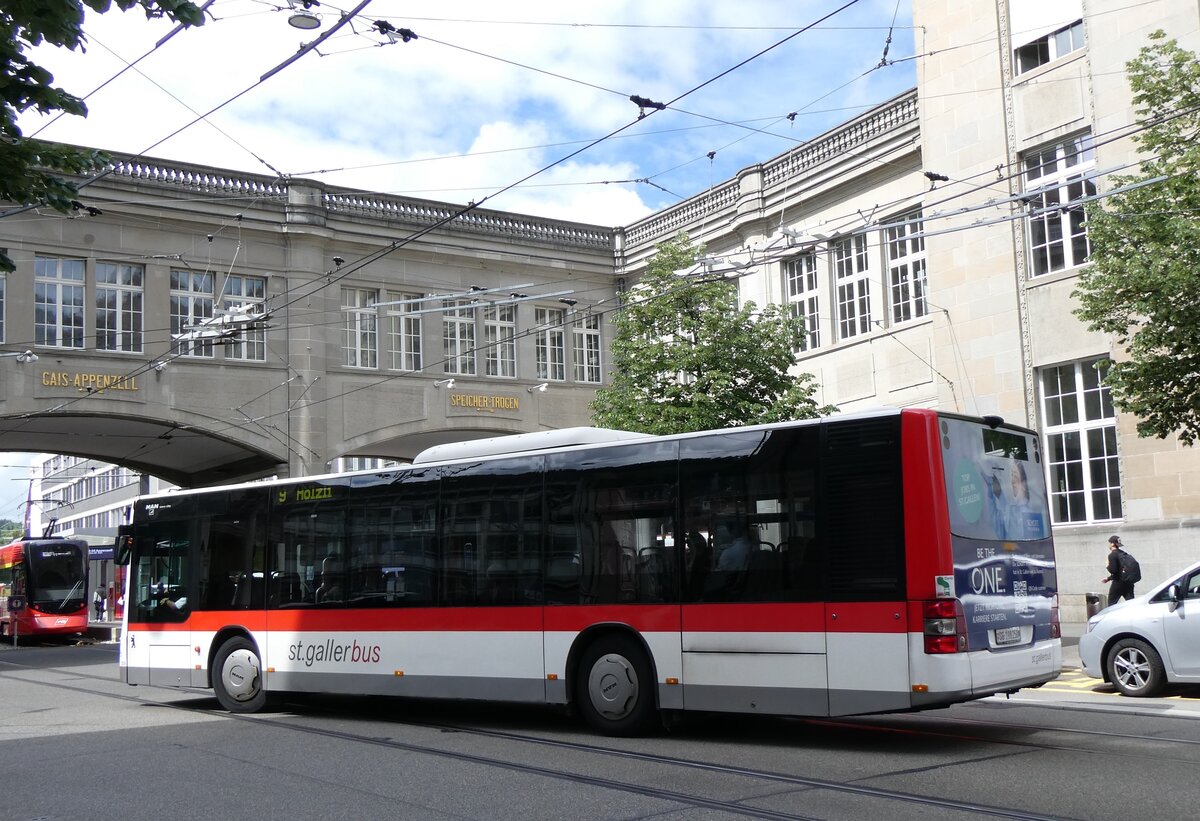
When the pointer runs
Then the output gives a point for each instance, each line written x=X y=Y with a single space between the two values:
x=737 y=545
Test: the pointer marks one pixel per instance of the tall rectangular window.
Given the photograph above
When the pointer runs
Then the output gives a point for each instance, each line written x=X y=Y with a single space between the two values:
x=3 y=284
x=1081 y=444
x=458 y=336
x=499 y=331
x=404 y=331
x=803 y=300
x=245 y=292
x=362 y=336
x=585 y=346
x=1055 y=178
x=852 y=278
x=191 y=304
x=906 y=267
x=549 y=346
x=58 y=301
x=119 y=307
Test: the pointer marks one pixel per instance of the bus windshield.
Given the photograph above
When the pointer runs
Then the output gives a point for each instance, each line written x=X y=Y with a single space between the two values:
x=57 y=583
x=994 y=482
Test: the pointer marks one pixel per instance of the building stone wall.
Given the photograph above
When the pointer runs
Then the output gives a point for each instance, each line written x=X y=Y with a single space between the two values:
x=991 y=330
x=305 y=403
x=995 y=325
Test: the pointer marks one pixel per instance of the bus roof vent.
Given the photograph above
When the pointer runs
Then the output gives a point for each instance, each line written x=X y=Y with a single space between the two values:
x=523 y=442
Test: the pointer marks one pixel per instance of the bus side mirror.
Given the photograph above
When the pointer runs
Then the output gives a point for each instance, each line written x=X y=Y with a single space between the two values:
x=122 y=549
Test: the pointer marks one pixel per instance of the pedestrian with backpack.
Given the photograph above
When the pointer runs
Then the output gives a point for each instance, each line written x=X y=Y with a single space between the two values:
x=1123 y=571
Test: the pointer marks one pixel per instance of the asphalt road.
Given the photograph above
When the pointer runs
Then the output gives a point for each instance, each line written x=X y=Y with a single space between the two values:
x=79 y=744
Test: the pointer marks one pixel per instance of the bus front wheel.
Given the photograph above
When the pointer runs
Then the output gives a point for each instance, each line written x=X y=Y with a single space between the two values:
x=237 y=677
x=615 y=688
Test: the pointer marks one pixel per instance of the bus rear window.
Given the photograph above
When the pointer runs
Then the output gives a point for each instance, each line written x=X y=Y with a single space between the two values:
x=1005 y=443
x=994 y=482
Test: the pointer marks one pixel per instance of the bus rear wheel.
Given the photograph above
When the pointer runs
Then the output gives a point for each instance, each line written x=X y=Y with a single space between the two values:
x=237 y=677
x=615 y=687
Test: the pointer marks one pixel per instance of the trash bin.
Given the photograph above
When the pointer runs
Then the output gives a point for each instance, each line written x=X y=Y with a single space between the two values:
x=1095 y=603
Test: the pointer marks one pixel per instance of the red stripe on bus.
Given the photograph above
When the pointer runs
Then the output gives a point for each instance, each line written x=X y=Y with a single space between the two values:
x=471 y=619
x=805 y=617
x=867 y=617
x=796 y=617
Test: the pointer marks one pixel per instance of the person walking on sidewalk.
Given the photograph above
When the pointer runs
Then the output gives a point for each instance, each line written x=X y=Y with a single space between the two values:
x=1123 y=571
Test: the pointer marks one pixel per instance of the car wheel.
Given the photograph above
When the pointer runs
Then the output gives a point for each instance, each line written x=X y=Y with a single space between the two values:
x=615 y=687
x=237 y=677
x=1135 y=668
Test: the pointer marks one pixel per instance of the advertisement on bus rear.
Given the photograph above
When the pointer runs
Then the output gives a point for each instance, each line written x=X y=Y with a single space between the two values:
x=1000 y=524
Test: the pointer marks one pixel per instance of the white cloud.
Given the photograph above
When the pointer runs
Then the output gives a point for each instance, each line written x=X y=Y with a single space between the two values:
x=446 y=117
x=468 y=84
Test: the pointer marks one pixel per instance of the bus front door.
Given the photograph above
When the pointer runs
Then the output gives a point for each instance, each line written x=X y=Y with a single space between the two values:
x=159 y=639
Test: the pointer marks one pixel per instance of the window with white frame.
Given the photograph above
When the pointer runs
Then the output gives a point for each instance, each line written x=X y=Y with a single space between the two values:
x=246 y=292
x=1056 y=37
x=404 y=331
x=499 y=331
x=362 y=334
x=851 y=266
x=119 y=307
x=585 y=348
x=800 y=276
x=1081 y=443
x=458 y=336
x=549 y=347
x=907 y=287
x=191 y=304
x=1055 y=177
x=58 y=301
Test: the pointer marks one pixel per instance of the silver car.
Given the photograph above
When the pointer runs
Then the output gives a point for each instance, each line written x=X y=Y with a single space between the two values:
x=1142 y=644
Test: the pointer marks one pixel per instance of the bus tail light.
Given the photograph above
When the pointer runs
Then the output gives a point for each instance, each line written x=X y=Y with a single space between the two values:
x=945 y=627
x=1055 y=626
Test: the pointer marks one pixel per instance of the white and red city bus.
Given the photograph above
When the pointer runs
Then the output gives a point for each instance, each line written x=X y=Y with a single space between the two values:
x=886 y=561
x=49 y=578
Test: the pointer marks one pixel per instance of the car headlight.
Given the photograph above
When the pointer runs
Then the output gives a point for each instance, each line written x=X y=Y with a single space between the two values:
x=1092 y=622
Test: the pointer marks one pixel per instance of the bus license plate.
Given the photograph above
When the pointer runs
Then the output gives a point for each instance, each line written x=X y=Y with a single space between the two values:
x=1008 y=635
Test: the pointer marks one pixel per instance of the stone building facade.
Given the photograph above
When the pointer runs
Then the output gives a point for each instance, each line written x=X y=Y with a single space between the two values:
x=933 y=244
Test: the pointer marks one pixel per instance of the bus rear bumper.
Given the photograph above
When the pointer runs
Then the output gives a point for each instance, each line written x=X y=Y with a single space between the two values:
x=945 y=679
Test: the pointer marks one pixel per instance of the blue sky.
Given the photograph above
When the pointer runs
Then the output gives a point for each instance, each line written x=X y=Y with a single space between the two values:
x=486 y=95
x=489 y=93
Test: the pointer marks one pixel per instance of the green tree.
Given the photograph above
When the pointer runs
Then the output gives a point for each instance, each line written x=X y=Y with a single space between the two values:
x=1142 y=285
x=29 y=168
x=10 y=530
x=686 y=358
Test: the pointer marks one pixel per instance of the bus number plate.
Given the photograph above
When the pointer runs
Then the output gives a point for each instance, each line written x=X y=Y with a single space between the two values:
x=1008 y=635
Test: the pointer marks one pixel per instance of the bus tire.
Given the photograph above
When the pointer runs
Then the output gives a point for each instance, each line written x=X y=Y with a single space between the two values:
x=615 y=687
x=237 y=677
x=1134 y=667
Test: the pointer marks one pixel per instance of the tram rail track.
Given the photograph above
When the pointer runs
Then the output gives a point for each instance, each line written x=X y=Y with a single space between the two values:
x=944 y=728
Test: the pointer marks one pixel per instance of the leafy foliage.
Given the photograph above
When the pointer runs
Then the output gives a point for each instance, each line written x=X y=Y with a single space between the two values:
x=10 y=530
x=1142 y=285
x=686 y=358
x=28 y=167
